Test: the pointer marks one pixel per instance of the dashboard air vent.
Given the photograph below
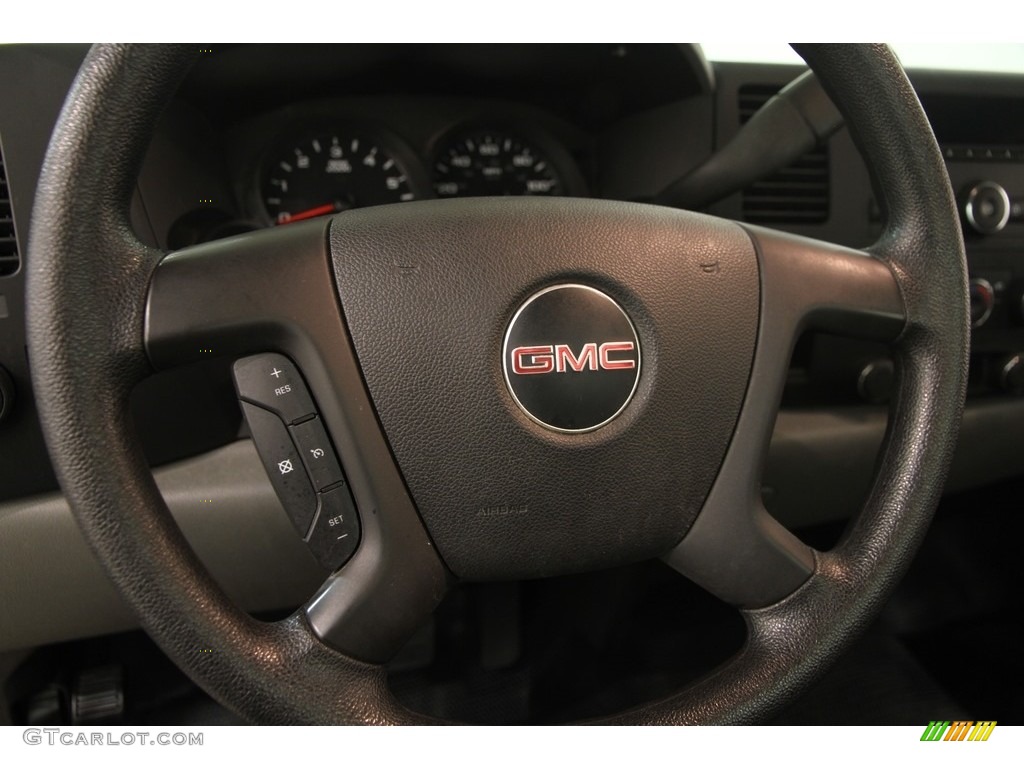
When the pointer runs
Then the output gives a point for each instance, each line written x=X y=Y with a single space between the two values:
x=9 y=259
x=796 y=194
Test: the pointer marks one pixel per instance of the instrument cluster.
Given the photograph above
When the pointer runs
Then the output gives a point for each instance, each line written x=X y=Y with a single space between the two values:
x=323 y=165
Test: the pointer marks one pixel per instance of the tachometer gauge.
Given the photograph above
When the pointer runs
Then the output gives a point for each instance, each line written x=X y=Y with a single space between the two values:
x=332 y=172
x=489 y=163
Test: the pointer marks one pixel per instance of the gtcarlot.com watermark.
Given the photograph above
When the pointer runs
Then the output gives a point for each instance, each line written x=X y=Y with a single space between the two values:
x=55 y=737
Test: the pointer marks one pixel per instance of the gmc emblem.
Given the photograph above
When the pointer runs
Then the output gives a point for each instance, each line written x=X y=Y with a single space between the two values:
x=559 y=358
x=598 y=348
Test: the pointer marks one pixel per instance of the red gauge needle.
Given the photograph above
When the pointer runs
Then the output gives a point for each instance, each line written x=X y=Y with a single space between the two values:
x=311 y=213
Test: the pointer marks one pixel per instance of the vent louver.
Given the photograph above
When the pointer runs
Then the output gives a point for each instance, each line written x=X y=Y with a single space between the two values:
x=9 y=259
x=796 y=194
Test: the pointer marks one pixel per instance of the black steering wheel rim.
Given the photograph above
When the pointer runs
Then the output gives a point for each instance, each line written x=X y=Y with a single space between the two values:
x=88 y=287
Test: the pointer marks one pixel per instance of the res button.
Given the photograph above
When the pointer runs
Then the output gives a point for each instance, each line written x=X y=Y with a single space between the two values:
x=273 y=382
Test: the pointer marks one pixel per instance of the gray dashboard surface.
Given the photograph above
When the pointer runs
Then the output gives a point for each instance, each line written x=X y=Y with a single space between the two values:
x=53 y=589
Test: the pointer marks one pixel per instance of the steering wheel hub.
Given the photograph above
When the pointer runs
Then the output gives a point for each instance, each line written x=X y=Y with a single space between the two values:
x=492 y=280
x=571 y=358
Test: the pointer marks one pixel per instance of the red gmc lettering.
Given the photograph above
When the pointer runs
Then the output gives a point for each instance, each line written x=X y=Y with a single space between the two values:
x=526 y=360
x=559 y=358
x=564 y=357
x=616 y=365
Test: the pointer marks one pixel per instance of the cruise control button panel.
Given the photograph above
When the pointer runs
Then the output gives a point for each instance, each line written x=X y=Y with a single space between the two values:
x=298 y=457
x=273 y=382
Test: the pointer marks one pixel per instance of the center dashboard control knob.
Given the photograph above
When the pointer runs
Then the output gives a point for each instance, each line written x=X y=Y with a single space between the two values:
x=875 y=381
x=987 y=207
x=983 y=301
x=1011 y=373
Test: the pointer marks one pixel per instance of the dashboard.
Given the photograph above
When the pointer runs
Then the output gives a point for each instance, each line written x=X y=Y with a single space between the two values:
x=388 y=124
x=265 y=136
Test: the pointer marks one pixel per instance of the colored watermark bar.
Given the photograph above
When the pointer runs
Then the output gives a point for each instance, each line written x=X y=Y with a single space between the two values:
x=958 y=730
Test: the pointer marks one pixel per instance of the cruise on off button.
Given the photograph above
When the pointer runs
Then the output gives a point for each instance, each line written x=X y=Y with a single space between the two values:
x=273 y=382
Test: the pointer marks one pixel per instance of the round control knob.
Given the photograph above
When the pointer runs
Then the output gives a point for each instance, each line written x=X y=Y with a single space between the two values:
x=875 y=382
x=1011 y=373
x=983 y=300
x=987 y=208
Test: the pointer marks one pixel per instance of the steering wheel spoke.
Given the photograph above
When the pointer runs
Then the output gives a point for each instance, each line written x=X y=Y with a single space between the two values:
x=244 y=295
x=274 y=292
x=735 y=549
x=810 y=284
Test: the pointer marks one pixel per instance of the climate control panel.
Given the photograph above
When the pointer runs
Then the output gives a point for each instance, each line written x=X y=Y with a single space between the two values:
x=988 y=179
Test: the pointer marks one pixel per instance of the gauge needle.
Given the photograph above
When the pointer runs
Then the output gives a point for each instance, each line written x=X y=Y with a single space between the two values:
x=310 y=213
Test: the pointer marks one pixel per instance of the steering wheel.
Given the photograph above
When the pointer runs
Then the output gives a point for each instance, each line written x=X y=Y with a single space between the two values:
x=471 y=460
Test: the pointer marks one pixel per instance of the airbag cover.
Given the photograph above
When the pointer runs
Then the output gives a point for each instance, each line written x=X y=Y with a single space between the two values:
x=428 y=291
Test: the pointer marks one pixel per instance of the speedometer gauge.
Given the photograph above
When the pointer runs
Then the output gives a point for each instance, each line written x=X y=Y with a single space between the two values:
x=489 y=163
x=331 y=172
